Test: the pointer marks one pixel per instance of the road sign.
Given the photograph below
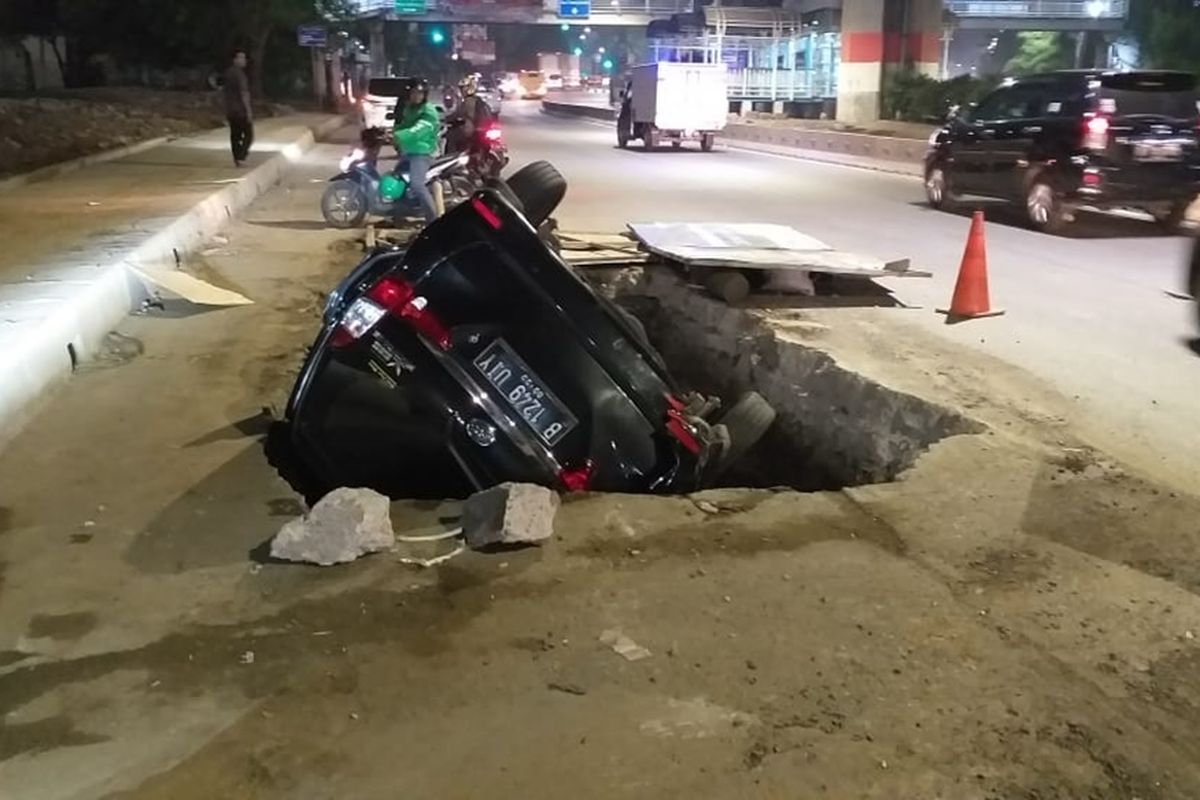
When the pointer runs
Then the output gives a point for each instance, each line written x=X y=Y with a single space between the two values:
x=574 y=9
x=312 y=36
x=410 y=6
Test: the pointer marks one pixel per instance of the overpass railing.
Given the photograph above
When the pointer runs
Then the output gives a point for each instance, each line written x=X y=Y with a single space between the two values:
x=1039 y=9
x=600 y=9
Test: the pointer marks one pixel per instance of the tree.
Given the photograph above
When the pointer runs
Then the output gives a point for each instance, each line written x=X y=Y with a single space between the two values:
x=1039 y=51
x=40 y=18
x=1168 y=33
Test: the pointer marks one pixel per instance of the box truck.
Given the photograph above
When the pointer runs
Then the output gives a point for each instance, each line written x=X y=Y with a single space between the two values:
x=671 y=102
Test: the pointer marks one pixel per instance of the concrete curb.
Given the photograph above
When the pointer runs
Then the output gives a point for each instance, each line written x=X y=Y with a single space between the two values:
x=64 y=167
x=866 y=151
x=40 y=350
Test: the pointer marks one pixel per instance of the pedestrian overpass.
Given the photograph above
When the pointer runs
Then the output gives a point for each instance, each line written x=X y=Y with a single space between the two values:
x=613 y=13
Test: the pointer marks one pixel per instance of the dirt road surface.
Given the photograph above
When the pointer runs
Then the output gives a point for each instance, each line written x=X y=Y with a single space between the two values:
x=1014 y=617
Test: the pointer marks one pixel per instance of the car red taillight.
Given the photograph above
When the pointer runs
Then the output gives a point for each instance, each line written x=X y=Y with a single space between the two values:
x=1095 y=133
x=577 y=480
x=488 y=215
x=678 y=427
x=493 y=134
x=390 y=296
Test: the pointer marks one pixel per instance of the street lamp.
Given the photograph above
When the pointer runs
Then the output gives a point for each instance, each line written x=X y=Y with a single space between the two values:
x=578 y=51
x=565 y=26
x=1096 y=8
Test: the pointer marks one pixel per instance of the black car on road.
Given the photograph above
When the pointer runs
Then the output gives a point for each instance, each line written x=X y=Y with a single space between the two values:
x=476 y=356
x=1060 y=141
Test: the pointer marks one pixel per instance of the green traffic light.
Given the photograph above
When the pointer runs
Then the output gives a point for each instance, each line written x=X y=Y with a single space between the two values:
x=578 y=51
x=436 y=36
x=608 y=63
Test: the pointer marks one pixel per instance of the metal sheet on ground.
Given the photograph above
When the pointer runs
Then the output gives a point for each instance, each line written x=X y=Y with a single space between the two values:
x=759 y=246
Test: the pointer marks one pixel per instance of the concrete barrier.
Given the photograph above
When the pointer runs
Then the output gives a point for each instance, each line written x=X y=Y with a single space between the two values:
x=60 y=316
x=884 y=153
x=568 y=109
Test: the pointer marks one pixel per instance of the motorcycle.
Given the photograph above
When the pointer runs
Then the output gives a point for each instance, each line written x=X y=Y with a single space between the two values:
x=485 y=148
x=360 y=188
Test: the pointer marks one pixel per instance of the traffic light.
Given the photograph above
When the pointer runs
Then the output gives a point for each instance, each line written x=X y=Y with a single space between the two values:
x=608 y=64
x=578 y=51
x=437 y=36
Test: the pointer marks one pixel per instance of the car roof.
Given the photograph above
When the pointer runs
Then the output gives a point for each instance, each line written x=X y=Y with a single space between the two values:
x=1081 y=75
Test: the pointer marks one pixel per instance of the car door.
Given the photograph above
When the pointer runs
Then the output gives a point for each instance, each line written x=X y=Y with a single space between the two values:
x=1020 y=123
x=974 y=134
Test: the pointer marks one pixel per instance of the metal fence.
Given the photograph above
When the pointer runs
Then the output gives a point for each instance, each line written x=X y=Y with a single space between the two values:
x=1040 y=9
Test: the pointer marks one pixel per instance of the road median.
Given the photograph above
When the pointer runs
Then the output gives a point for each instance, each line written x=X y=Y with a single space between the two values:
x=70 y=271
x=893 y=154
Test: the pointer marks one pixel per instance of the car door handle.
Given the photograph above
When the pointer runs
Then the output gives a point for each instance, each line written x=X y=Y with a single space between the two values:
x=1032 y=129
x=988 y=132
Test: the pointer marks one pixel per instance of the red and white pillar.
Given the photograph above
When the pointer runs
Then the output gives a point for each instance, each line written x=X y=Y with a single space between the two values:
x=879 y=36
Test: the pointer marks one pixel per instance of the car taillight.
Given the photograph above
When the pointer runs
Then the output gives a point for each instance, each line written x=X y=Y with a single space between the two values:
x=493 y=134
x=678 y=427
x=488 y=215
x=1095 y=133
x=577 y=480
x=396 y=297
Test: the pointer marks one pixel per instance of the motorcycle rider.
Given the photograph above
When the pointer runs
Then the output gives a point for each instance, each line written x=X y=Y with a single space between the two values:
x=416 y=137
x=469 y=116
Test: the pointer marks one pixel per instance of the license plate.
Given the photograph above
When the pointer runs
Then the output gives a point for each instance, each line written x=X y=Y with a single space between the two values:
x=1157 y=151
x=525 y=393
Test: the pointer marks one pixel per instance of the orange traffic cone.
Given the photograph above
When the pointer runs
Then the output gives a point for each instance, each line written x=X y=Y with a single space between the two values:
x=970 y=299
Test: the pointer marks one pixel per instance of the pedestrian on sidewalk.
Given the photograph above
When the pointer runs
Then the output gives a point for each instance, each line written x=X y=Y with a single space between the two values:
x=417 y=140
x=237 y=108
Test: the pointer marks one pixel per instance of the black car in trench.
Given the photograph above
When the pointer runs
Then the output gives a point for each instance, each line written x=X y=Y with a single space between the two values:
x=476 y=356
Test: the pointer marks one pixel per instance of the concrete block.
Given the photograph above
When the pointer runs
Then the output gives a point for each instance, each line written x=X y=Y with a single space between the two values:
x=511 y=513
x=343 y=525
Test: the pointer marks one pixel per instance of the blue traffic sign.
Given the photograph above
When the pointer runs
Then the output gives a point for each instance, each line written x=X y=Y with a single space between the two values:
x=574 y=9
x=312 y=35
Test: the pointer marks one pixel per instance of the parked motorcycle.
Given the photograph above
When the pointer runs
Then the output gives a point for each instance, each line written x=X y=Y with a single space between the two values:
x=360 y=188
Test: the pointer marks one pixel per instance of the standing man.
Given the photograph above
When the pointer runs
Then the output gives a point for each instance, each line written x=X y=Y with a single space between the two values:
x=237 y=108
x=416 y=137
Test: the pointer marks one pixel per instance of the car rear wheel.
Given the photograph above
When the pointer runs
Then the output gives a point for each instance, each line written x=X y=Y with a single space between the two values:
x=937 y=188
x=343 y=204
x=1043 y=208
x=540 y=188
x=1171 y=218
x=747 y=421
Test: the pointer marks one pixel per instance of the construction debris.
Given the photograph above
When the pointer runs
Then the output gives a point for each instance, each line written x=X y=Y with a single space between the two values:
x=511 y=513
x=343 y=525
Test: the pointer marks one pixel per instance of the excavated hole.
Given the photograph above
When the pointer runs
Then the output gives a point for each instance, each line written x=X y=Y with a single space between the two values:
x=834 y=427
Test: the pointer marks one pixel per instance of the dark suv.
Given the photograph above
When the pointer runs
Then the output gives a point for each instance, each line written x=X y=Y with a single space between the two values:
x=477 y=355
x=1082 y=138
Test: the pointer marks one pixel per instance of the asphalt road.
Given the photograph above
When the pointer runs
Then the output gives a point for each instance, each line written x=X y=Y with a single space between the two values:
x=1090 y=313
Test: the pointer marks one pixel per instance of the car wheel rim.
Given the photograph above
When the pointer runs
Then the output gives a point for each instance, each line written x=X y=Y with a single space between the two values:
x=1040 y=202
x=935 y=186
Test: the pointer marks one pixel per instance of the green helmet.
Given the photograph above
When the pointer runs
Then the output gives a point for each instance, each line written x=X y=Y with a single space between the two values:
x=392 y=187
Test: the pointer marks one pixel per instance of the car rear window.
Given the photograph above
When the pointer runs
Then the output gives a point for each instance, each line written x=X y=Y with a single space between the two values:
x=389 y=87
x=1168 y=95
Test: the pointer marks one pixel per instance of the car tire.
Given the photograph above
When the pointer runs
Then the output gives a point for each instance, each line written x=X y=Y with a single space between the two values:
x=344 y=204
x=937 y=188
x=540 y=188
x=1043 y=208
x=746 y=422
x=1172 y=219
